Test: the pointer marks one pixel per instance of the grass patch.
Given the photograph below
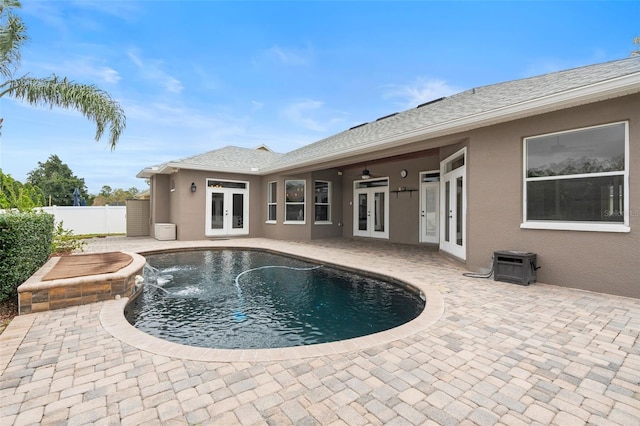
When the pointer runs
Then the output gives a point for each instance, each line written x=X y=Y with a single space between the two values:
x=88 y=236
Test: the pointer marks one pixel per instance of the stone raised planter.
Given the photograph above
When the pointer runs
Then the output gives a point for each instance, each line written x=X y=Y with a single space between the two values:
x=39 y=294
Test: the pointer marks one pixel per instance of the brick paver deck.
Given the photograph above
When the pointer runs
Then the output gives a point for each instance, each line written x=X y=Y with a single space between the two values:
x=499 y=354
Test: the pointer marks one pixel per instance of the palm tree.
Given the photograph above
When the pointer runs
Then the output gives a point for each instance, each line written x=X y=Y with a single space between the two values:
x=92 y=102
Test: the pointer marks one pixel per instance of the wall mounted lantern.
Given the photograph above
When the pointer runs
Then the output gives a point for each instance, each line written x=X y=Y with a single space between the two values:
x=193 y=187
x=366 y=174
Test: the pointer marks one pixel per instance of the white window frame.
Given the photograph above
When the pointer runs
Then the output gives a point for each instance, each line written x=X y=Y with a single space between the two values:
x=579 y=226
x=300 y=203
x=272 y=202
x=328 y=203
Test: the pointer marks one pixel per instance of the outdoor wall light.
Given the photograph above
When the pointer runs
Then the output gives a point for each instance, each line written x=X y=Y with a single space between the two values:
x=366 y=174
x=193 y=187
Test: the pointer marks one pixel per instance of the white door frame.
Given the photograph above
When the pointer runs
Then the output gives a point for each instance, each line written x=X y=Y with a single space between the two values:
x=231 y=225
x=453 y=238
x=430 y=194
x=373 y=209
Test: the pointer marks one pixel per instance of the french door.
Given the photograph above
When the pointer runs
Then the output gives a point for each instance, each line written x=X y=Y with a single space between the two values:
x=453 y=205
x=429 y=208
x=227 y=208
x=371 y=208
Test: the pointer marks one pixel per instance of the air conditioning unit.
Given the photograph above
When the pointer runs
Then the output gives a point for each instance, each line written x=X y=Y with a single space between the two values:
x=516 y=267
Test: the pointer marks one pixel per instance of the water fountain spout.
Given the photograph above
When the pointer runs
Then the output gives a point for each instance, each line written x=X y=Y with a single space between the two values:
x=151 y=276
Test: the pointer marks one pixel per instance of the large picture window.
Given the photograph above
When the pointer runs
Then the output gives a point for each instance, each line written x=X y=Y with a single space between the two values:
x=272 y=201
x=294 y=201
x=577 y=179
x=322 y=201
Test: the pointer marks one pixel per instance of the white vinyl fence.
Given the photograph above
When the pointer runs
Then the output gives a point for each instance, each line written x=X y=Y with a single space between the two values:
x=84 y=220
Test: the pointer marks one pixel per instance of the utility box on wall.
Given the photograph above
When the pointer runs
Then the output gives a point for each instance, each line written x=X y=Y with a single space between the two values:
x=516 y=267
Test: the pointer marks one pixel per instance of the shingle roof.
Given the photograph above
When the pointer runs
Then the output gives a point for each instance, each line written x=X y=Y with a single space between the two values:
x=230 y=158
x=461 y=105
x=422 y=120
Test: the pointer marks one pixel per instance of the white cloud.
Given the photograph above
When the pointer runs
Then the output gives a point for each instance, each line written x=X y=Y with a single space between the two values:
x=173 y=85
x=207 y=79
x=67 y=20
x=47 y=12
x=290 y=56
x=126 y=10
x=544 y=66
x=420 y=91
x=83 y=69
x=87 y=69
x=311 y=115
x=152 y=71
x=165 y=114
x=299 y=114
x=180 y=131
x=134 y=58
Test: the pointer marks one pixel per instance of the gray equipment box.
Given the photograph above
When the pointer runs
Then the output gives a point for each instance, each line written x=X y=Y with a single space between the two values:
x=516 y=267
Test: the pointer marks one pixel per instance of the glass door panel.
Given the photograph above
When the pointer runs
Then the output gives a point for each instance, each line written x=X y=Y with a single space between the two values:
x=217 y=210
x=429 y=213
x=238 y=211
x=379 y=213
x=362 y=212
x=459 y=215
x=447 y=209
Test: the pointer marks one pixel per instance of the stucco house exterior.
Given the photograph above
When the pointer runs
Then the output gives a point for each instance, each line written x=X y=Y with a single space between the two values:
x=547 y=164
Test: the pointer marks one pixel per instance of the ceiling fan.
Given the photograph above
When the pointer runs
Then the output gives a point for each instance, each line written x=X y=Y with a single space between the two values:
x=366 y=174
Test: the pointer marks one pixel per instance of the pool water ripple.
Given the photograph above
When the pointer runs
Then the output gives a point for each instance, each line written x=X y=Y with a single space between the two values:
x=212 y=301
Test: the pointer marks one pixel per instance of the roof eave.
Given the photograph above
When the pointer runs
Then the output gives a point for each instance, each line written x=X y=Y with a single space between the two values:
x=148 y=172
x=174 y=167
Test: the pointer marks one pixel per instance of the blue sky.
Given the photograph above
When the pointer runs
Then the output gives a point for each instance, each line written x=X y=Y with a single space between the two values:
x=193 y=76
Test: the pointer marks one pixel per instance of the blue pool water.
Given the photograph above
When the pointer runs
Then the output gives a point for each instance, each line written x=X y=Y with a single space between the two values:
x=251 y=299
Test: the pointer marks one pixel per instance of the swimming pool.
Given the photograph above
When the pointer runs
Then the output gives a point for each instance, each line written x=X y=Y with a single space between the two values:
x=247 y=299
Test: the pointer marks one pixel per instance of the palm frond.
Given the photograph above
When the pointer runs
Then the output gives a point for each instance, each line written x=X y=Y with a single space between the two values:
x=93 y=103
x=13 y=34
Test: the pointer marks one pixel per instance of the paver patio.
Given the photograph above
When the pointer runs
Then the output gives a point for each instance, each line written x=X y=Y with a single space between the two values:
x=499 y=354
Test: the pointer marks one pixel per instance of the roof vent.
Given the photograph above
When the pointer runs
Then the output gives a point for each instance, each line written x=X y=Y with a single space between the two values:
x=387 y=116
x=359 y=125
x=431 y=102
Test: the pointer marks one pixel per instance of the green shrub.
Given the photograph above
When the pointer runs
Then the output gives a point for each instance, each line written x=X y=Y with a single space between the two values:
x=15 y=195
x=25 y=245
x=64 y=242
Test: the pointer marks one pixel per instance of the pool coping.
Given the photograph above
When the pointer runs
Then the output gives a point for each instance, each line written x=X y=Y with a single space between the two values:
x=114 y=322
